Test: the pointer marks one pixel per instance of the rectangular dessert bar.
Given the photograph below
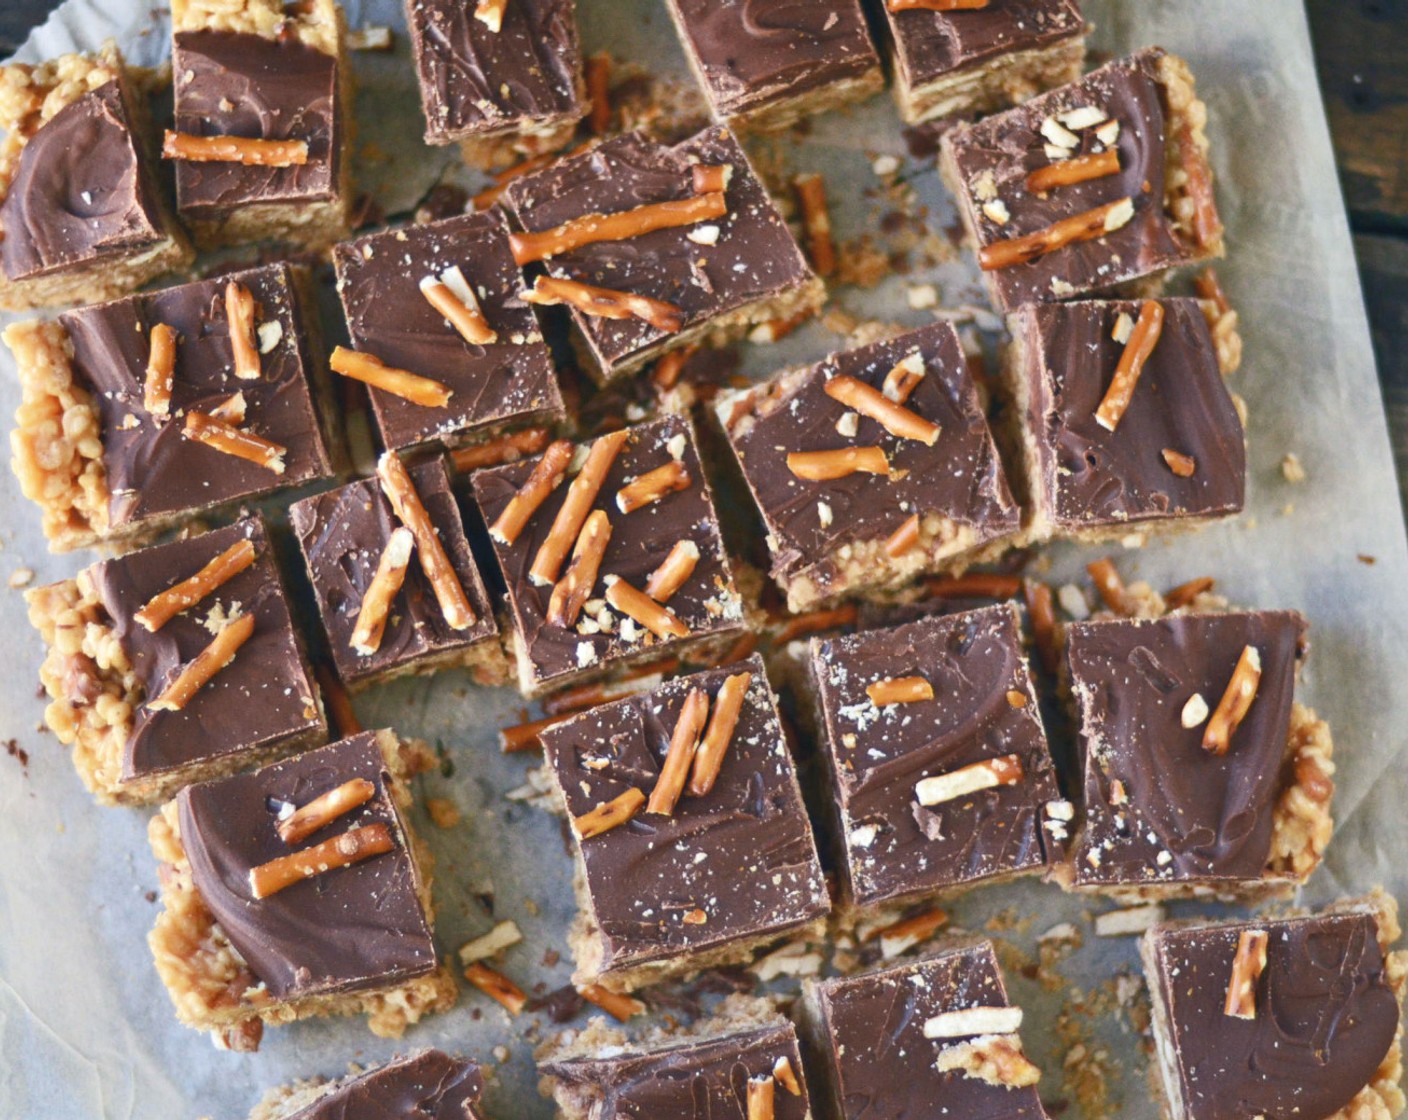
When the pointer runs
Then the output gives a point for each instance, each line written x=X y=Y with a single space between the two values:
x=1202 y=777
x=1089 y=187
x=299 y=891
x=705 y=853
x=426 y=1085
x=263 y=100
x=654 y=247
x=954 y=59
x=1287 y=1016
x=141 y=413
x=489 y=365
x=348 y=534
x=83 y=217
x=648 y=578
x=872 y=467
x=123 y=634
x=502 y=80
x=766 y=64
x=1125 y=423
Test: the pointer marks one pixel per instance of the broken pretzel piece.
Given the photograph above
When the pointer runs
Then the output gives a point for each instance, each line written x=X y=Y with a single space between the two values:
x=323 y=810
x=575 y=587
x=899 y=421
x=1247 y=967
x=239 y=316
x=1005 y=770
x=816 y=222
x=209 y=661
x=903 y=539
x=572 y=514
x=652 y=486
x=166 y=605
x=762 y=1092
x=1235 y=702
x=592 y=228
x=1068 y=172
x=547 y=476
x=497 y=986
x=161 y=371
x=451 y=295
x=899 y=690
x=401 y=383
x=605 y=303
x=351 y=847
x=1137 y=350
x=205 y=428
x=660 y=621
x=249 y=150
x=405 y=502
x=609 y=814
x=491 y=14
x=1080 y=227
x=709 y=760
x=505 y=449
x=838 y=462
x=936 y=5
x=376 y=602
x=616 y=1004
x=673 y=571
x=974 y=1021
x=904 y=378
x=679 y=756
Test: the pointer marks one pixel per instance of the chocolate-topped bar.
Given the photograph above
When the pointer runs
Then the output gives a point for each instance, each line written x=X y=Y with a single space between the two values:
x=1202 y=776
x=932 y=1037
x=612 y=555
x=1098 y=183
x=653 y=246
x=973 y=58
x=128 y=644
x=1280 y=1017
x=298 y=891
x=500 y=78
x=765 y=64
x=1126 y=422
x=872 y=467
x=346 y=535
x=935 y=756
x=143 y=412
x=261 y=132
x=693 y=847
x=428 y=1085
x=82 y=216
x=441 y=301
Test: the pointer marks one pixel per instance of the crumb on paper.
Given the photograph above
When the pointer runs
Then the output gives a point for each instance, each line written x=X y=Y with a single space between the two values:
x=443 y=812
x=1291 y=467
x=21 y=577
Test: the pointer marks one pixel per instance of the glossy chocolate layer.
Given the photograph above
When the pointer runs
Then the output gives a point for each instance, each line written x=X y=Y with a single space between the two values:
x=474 y=80
x=264 y=697
x=743 y=853
x=1325 y=1016
x=430 y=1085
x=1088 y=477
x=959 y=478
x=510 y=380
x=871 y=1040
x=342 y=534
x=152 y=469
x=708 y=602
x=345 y=930
x=894 y=847
x=754 y=52
x=692 y=1080
x=932 y=45
x=1185 y=814
x=998 y=152
x=753 y=258
x=81 y=191
x=238 y=84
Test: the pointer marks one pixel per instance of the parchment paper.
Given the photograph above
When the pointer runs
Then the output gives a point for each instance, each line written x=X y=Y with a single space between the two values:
x=86 y=1030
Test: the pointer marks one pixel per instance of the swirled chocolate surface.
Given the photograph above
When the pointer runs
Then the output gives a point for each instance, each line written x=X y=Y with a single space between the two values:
x=930 y=45
x=430 y=1085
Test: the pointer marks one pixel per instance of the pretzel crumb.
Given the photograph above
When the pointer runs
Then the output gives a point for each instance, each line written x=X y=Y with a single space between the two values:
x=1005 y=770
x=728 y=705
x=376 y=602
x=786 y=1076
x=1247 y=967
x=904 y=378
x=1235 y=703
x=198 y=672
x=351 y=847
x=166 y=605
x=1184 y=466
x=491 y=14
x=323 y=810
x=368 y=368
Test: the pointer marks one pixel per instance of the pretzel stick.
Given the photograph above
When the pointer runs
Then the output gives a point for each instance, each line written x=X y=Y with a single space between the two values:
x=251 y=151
x=400 y=491
x=547 y=476
x=161 y=371
x=166 y=605
x=376 y=603
x=209 y=661
x=592 y=228
x=574 y=509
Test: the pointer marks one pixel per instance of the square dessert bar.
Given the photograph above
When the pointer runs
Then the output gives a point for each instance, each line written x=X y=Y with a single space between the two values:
x=350 y=536
x=141 y=413
x=176 y=664
x=79 y=203
x=501 y=78
x=743 y=1063
x=261 y=144
x=935 y=754
x=1090 y=186
x=1125 y=421
x=298 y=891
x=441 y=301
x=648 y=576
x=427 y=1085
x=693 y=846
x=1290 y=1016
x=973 y=58
x=1202 y=777
x=766 y=64
x=654 y=247
x=872 y=467
x=932 y=1037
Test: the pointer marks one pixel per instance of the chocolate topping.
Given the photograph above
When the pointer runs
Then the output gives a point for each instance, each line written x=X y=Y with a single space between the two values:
x=932 y=45
x=1089 y=476
x=882 y=1066
x=345 y=930
x=753 y=258
x=152 y=469
x=81 y=191
x=895 y=847
x=1186 y=814
x=263 y=698
x=509 y=380
x=474 y=80
x=342 y=533
x=430 y=1085
x=238 y=84
x=1325 y=1017
x=751 y=52
x=743 y=853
